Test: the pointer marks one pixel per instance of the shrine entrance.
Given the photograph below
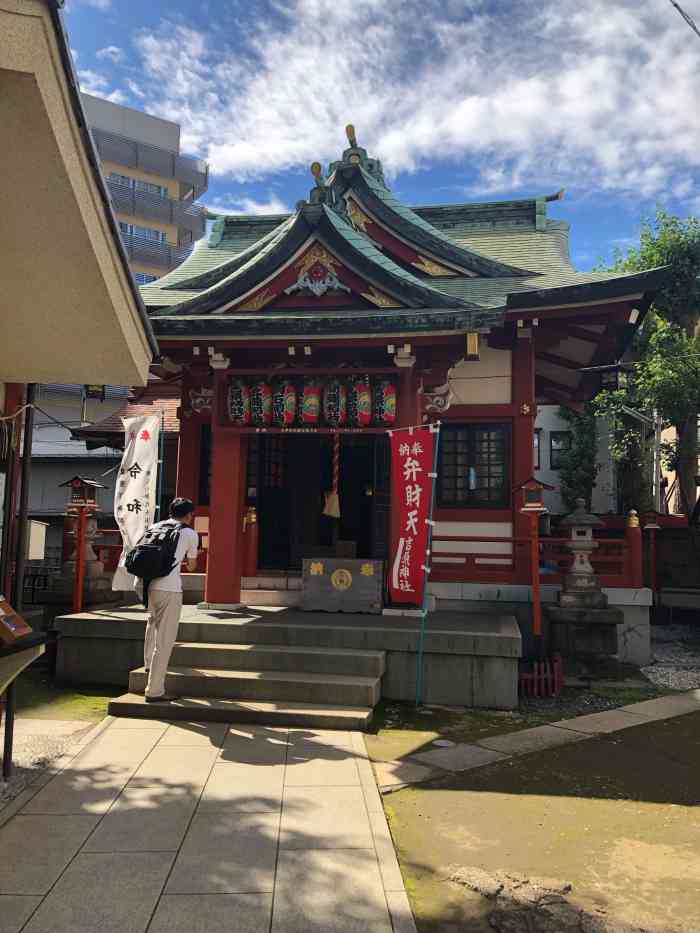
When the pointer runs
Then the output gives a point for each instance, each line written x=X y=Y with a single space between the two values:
x=288 y=477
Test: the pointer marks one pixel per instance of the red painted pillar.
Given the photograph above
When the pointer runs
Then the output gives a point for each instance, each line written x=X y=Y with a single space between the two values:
x=223 y=579
x=188 y=446
x=633 y=547
x=523 y=388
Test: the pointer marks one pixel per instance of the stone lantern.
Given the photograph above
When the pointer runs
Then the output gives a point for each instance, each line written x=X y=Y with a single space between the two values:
x=581 y=588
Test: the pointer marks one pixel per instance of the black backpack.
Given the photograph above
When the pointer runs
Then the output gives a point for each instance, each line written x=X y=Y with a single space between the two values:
x=154 y=555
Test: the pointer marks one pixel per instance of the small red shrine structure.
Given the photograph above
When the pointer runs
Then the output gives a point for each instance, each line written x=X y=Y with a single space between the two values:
x=356 y=314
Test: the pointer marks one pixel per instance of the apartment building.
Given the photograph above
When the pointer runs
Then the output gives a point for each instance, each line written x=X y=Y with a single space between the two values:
x=154 y=188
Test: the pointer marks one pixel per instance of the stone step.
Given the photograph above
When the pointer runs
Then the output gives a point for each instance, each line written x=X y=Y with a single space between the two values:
x=338 y=689
x=249 y=657
x=208 y=709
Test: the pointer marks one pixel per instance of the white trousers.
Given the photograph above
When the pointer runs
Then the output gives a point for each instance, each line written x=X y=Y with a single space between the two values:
x=161 y=632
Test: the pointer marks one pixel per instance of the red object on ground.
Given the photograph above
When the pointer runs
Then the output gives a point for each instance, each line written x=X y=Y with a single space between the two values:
x=545 y=680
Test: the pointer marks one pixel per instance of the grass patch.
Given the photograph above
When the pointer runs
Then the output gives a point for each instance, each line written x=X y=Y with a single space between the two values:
x=39 y=698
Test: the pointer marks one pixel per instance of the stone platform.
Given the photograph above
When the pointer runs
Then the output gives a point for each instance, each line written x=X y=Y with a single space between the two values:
x=274 y=655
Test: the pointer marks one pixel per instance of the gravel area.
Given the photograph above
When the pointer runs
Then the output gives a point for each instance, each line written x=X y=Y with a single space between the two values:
x=676 y=656
x=570 y=702
x=38 y=744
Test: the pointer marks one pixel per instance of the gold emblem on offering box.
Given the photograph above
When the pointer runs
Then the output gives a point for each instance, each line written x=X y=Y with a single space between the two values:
x=367 y=570
x=316 y=569
x=341 y=580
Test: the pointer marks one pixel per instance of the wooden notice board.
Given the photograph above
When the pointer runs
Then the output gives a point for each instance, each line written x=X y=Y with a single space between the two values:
x=12 y=625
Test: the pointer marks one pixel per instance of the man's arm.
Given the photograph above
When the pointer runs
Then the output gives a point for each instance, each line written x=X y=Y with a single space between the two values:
x=192 y=553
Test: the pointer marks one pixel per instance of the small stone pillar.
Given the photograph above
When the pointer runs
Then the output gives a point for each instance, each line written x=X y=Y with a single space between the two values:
x=582 y=626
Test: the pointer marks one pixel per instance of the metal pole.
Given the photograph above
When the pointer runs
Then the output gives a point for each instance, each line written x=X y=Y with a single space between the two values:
x=428 y=550
x=20 y=562
x=21 y=551
x=657 y=463
x=161 y=448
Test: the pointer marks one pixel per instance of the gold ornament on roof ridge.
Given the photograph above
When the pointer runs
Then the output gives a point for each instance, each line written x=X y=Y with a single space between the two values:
x=317 y=254
x=350 y=133
x=379 y=298
x=430 y=267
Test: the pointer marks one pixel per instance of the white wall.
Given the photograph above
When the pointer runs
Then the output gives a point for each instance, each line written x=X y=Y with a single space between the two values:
x=132 y=124
x=603 y=501
x=486 y=381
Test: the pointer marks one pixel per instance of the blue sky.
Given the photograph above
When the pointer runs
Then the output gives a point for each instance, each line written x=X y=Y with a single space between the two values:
x=462 y=100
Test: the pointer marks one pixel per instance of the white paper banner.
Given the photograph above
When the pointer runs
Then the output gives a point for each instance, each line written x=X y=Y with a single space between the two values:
x=135 y=494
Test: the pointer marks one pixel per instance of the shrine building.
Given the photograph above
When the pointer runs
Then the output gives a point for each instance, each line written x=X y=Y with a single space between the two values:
x=300 y=340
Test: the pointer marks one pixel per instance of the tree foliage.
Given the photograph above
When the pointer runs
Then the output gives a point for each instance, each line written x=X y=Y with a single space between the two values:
x=578 y=469
x=665 y=375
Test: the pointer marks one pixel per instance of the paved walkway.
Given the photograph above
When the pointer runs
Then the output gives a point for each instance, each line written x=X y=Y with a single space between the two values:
x=417 y=768
x=203 y=828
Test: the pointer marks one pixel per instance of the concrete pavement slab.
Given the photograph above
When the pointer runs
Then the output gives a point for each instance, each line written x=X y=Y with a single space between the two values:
x=399 y=773
x=40 y=848
x=386 y=854
x=256 y=746
x=120 y=723
x=400 y=910
x=329 y=891
x=332 y=737
x=147 y=818
x=175 y=766
x=311 y=765
x=325 y=818
x=212 y=913
x=93 y=779
x=104 y=892
x=598 y=723
x=227 y=853
x=250 y=788
x=15 y=910
x=532 y=740
x=666 y=707
x=461 y=757
x=194 y=734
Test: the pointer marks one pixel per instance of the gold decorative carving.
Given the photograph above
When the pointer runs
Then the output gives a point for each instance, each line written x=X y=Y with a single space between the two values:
x=367 y=570
x=317 y=255
x=633 y=519
x=357 y=216
x=258 y=301
x=380 y=299
x=430 y=267
x=316 y=569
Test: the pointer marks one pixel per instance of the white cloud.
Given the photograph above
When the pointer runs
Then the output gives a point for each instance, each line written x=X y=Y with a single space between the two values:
x=135 y=89
x=227 y=205
x=529 y=95
x=93 y=83
x=97 y=4
x=111 y=52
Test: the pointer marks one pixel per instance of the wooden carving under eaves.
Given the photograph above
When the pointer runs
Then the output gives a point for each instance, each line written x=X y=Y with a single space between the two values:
x=430 y=267
x=357 y=216
x=380 y=299
x=257 y=301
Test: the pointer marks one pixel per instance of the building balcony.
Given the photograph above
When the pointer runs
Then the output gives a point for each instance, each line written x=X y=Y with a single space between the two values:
x=153 y=252
x=191 y=172
x=184 y=214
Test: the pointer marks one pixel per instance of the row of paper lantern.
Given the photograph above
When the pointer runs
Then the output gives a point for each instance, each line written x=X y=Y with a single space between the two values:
x=358 y=401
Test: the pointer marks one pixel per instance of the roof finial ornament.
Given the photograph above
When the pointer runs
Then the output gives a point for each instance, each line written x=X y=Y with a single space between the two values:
x=350 y=133
x=317 y=172
x=319 y=193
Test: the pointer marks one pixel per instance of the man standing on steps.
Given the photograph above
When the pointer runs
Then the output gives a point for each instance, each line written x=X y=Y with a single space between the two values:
x=165 y=600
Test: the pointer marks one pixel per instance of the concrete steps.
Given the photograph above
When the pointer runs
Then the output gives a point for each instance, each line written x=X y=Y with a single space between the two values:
x=253 y=657
x=207 y=709
x=287 y=686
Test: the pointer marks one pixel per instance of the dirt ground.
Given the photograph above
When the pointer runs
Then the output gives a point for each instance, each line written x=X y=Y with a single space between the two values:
x=601 y=835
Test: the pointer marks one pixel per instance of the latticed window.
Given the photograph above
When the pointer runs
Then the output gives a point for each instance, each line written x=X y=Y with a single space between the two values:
x=559 y=443
x=474 y=467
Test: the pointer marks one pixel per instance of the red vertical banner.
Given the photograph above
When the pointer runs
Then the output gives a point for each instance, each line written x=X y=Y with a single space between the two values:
x=412 y=482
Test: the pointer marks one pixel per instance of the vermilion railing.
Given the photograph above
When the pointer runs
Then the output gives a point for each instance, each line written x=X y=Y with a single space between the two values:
x=617 y=562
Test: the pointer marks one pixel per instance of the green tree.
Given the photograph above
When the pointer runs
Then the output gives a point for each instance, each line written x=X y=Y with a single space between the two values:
x=578 y=470
x=665 y=376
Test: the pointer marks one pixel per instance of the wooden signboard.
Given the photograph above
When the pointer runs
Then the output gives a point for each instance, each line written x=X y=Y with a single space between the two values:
x=12 y=625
